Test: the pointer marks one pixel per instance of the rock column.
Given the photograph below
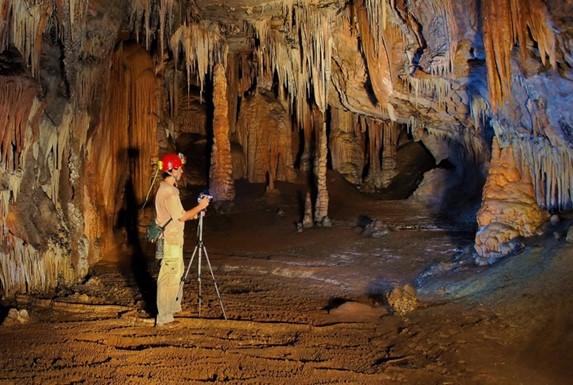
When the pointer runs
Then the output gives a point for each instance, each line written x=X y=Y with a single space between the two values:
x=221 y=174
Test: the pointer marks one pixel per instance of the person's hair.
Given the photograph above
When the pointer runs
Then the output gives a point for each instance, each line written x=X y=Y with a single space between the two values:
x=165 y=174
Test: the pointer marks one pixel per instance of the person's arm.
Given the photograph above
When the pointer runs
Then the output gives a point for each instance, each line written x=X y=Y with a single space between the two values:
x=192 y=213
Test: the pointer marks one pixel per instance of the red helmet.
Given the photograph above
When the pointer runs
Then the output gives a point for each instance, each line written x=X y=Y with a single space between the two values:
x=171 y=161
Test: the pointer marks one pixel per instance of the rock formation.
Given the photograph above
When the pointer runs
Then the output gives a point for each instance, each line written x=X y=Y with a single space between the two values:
x=93 y=91
x=509 y=210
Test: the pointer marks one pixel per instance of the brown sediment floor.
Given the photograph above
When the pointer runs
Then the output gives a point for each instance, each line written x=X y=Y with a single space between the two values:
x=308 y=307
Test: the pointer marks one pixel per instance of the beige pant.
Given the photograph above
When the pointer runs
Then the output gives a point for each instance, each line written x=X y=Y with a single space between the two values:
x=169 y=283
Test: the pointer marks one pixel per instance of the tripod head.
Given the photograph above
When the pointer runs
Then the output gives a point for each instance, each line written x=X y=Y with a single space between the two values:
x=203 y=196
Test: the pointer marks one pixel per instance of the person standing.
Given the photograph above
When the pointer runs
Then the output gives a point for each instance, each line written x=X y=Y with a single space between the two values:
x=168 y=205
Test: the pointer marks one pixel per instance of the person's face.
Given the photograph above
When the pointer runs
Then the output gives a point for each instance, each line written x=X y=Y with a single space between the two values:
x=177 y=173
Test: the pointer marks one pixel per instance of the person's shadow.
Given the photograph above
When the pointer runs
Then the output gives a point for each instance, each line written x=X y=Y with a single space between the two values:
x=138 y=264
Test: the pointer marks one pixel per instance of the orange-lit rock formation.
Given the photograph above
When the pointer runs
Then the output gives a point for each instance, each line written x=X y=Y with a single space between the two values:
x=509 y=210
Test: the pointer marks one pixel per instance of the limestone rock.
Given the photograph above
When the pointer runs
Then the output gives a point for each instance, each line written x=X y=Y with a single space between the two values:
x=403 y=300
x=16 y=317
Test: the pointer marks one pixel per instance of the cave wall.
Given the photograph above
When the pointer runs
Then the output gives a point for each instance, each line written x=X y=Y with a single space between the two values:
x=92 y=92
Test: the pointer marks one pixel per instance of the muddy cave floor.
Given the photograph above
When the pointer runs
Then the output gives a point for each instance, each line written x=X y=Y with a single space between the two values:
x=308 y=307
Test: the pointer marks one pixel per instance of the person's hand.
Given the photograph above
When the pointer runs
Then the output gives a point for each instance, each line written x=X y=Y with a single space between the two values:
x=203 y=203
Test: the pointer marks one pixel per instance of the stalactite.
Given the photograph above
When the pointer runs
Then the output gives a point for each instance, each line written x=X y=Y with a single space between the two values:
x=550 y=172
x=302 y=66
x=88 y=85
x=375 y=134
x=549 y=167
x=506 y=23
x=316 y=35
x=376 y=52
x=144 y=112
x=264 y=132
x=5 y=11
x=53 y=143
x=165 y=7
x=176 y=95
x=377 y=19
x=70 y=19
x=532 y=16
x=24 y=270
x=12 y=181
x=233 y=84
x=16 y=97
x=202 y=47
x=221 y=183
x=141 y=12
x=25 y=264
x=479 y=111
x=410 y=29
x=443 y=9
x=108 y=149
x=346 y=145
x=413 y=125
x=382 y=153
x=431 y=87
x=28 y=23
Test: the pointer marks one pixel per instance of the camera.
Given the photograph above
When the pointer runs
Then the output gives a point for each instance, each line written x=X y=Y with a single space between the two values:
x=203 y=195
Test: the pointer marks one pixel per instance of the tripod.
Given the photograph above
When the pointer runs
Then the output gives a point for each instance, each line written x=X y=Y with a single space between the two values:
x=199 y=250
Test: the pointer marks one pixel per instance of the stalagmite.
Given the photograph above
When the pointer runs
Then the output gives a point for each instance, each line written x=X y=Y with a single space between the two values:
x=221 y=184
x=389 y=152
x=308 y=145
x=307 y=220
x=508 y=210
x=321 y=206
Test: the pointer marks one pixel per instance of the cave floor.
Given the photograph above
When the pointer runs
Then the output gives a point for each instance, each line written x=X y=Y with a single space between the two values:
x=308 y=307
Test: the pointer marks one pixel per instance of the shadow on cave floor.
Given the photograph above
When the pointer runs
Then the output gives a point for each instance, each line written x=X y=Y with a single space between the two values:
x=132 y=259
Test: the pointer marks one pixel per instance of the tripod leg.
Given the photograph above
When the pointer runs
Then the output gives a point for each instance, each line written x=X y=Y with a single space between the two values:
x=184 y=278
x=199 y=279
x=214 y=282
